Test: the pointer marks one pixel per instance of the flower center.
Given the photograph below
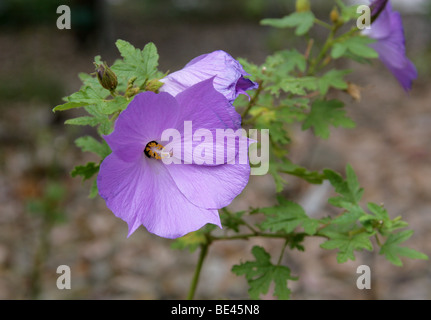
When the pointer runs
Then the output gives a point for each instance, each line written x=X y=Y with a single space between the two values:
x=153 y=149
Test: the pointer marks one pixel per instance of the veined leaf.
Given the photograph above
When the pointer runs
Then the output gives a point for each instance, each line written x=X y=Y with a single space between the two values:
x=88 y=143
x=261 y=273
x=392 y=251
x=357 y=46
x=141 y=64
x=286 y=216
x=302 y=21
x=86 y=171
x=347 y=244
x=325 y=113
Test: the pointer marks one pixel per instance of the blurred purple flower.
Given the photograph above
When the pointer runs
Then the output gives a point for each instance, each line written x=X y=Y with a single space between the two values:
x=170 y=200
x=229 y=75
x=376 y=7
x=387 y=29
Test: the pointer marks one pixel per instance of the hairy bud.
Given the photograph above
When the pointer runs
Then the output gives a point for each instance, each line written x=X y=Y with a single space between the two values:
x=302 y=5
x=106 y=77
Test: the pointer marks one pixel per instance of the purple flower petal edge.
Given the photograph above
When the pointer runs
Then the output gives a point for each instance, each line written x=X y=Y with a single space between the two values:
x=229 y=75
x=388 y=30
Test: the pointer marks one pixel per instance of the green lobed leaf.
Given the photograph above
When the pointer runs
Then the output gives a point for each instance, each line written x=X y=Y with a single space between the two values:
x=392 y=251
x=94 y=191
x=347 y=244
x=193 y=240
x=88 y=143
x=261 y=273
x=333 y=78
x=86 y=171
x=314 y=177
x=347 y=12
x=141 y=64
x=69 y=105
x=350 y=194
x=232 y=220
x=355 y=46
x=302 y=21
x=286 y=216
x=276 y=175
x=295 y=85
x=284 y=62
x=349 y=189
x=326 y=113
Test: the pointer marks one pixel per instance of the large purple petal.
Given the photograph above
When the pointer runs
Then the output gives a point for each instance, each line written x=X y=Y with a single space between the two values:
x=207 y=108
x=211 y=187
x=400 y=66
x=376 y=8
x=205 y=116
x=228 y=72
x=143 y=193
x=388 y=30
x=145 y=118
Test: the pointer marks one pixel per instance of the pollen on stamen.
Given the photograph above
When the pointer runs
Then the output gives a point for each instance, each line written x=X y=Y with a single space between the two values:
x=153 y=149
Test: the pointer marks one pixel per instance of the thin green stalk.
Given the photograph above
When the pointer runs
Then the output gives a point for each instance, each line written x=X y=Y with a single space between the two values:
x=282 y=252
x=246 y=236
x=252 y=100
x=323 y=23
x=378 y=240
x=323 y=51
x=195 y=280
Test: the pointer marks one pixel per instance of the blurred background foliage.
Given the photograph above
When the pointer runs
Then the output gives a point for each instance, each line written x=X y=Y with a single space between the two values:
x=46 y=218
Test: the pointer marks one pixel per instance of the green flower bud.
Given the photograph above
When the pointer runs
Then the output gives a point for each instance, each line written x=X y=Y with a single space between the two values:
x=334 y=16
x=153 y=85
x=106 y=77
x=302 y=5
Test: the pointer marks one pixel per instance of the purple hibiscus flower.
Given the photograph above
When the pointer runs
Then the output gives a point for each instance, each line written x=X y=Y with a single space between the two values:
x=387 y=29
x=229 y=75
x=170 y=200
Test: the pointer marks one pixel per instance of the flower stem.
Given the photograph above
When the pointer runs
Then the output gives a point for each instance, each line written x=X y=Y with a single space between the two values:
x=323 y=23
x=253 y=100
x=195 y=280
x=282 y=252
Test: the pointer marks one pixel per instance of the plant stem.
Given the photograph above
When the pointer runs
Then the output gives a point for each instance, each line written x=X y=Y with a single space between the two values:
x=378 y=240
x=252 y=100
x=195 y=280
x=323 y=23
x=282 y=252
x=323 y=51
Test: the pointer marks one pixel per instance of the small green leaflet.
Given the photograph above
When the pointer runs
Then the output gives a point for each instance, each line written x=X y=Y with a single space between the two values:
x=356 y=46
x=193 y=240
x=284 y=62
x=90 y=93
x=347 y=244
x=141 y=64
x=190 y=241
x=86 y=171
x=349 y=189
x=325 y=113
x=302 y=21
x=286 y=216
x=350 y=193
x=261 y=273
x=232 y=220
x=392 y=251
x=313 y=177
x=333 y=78
x=88 y=143
x=347 y=12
